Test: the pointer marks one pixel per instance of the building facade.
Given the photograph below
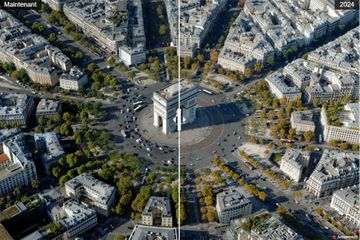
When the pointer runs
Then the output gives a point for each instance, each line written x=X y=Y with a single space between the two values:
x=232 y=203
x=335 y=170
x=349 y=131
x=74 y=80
x=17 y=168
x=100 y=195
x=157 y=212
x=294 y=162
x=346 y=203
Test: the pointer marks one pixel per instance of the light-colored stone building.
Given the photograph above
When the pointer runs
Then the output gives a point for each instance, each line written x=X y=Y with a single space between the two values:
x=74 y=80
x=48 y=146
x=335 y=170
x=281 y=86
x=141 y=232
x=348 y=131
x=132 y=56
x=99 y=195
x=48 y=108
x=77 y=219
x=302 y=121
x=294 y=162
x=15 y=108
x=346 y=203
x=232 y=203
x=157 y=212
x=166 y=103
x=17 y=168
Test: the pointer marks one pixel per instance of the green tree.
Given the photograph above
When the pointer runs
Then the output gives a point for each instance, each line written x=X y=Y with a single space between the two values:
x=35 y=183
x=162 y=29
x=52 y=37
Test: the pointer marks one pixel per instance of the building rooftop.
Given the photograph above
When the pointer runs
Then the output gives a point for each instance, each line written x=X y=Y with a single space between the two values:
x=85 y=180
x=151 y=233
x=295 y=156
x=282 y=83
x=75 y=213
x=53 y=149
x=273 y=229
x=48 y=106
x=12 y=104
x=303 y=117
x=232 y=197
x=171 y=91
x=161 y=203
x=19 y=158
x=349 y=195
x=75 y=74
x=334 y=164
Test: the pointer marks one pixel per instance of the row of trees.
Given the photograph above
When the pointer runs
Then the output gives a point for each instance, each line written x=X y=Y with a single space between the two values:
x=251 y=188
x=339 y=226
x=267 y=171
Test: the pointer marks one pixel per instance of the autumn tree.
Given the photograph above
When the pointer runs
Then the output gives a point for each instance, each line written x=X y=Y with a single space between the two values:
x=214 y=56
x=308 y=136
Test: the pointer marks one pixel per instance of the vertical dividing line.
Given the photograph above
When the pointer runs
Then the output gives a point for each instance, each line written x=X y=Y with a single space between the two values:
x=179 y=122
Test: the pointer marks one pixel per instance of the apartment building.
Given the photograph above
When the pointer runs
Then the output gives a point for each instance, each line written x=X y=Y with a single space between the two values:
x=335 y=170
x=17 y=168
x=15 y=108
x=74 y=80
x=157 y=212
x=48 y=108
x=348 y=130
x=346 y=203
x=150 y=232
x=302 y=121
x=281 y=86
x=96 y=194
x=232 y=203
x=294 y=162
x=49 y=148
x=77 y=219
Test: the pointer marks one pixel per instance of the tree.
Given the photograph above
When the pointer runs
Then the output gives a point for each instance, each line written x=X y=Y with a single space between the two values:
x=271 y=60
x=111 y=61
x=162 y=29
x=326 y=217
x=214 y=56
x=292 y=133
x=208 y=200
x=92 y=67
x=281 y=210
x=344 y=145
x=37 y=27
x=319 y=211
x=35 y=183
x=241 y=3
x=315 y=102
x=67 y=117
x=308 y=135
x=120 y=237
x=262 y=196
x=187 y=61
x=282 y=133
x=298 y=195
x=56 y=171
x=211 y=215
x=355 y=147
x=52 y=37
x=131 y=75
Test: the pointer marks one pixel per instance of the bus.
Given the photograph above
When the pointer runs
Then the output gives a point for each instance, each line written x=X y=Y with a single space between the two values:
x=207 y=91
x=138 y=108
x=138 y=103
